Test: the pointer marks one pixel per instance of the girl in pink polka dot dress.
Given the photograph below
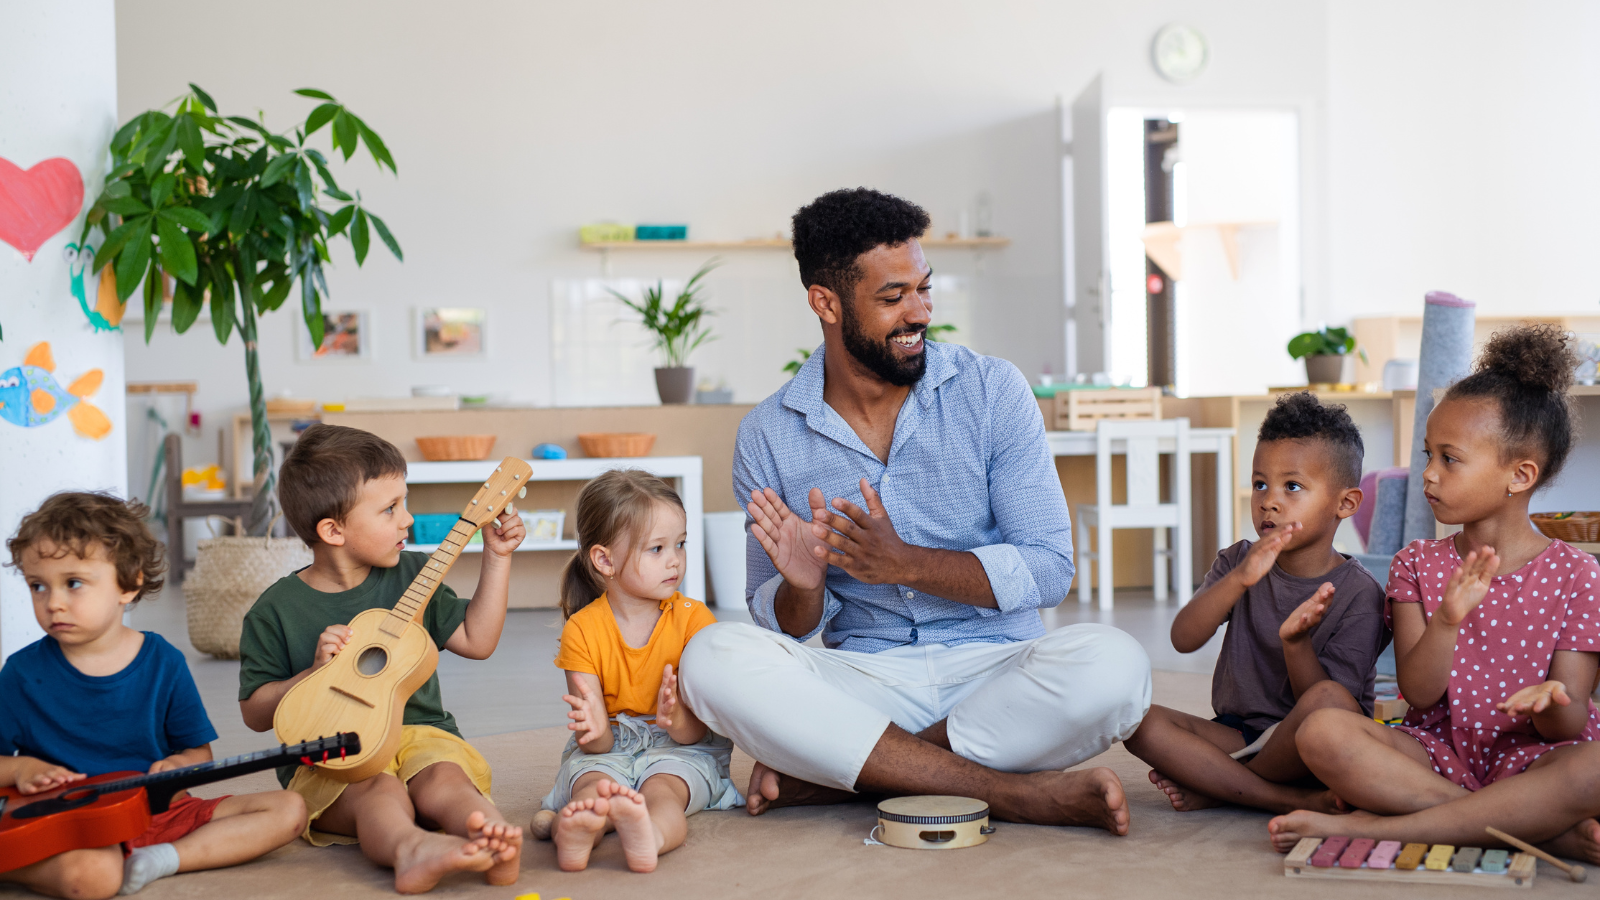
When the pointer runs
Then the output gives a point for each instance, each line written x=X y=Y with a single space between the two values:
x=1496 y=636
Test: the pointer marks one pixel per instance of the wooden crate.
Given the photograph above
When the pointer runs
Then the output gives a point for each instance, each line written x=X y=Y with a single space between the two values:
x=1080 y=410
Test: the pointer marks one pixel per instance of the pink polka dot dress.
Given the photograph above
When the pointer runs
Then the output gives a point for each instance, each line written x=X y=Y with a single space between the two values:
x=1550 y=604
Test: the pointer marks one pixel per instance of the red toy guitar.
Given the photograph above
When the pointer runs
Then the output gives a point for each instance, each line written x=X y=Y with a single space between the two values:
x=116 y=807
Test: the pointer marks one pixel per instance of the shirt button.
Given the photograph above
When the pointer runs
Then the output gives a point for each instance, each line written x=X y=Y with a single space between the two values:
x=910 y=594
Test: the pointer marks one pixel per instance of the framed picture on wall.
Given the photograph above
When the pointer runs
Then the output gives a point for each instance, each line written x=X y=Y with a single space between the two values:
x=346 y=337
x=446 y=332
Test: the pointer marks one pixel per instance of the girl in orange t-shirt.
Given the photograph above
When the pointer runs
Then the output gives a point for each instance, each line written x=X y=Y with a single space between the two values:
x=639 y=761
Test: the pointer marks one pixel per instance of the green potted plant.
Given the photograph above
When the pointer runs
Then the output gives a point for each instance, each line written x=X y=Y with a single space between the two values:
x=679 y=327
x=1324 y=351
x=233 y=213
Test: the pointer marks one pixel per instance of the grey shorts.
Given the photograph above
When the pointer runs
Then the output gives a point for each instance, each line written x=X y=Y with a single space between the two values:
x=639 y=750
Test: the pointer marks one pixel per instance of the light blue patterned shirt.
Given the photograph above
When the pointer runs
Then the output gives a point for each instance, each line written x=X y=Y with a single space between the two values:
x=969 y=469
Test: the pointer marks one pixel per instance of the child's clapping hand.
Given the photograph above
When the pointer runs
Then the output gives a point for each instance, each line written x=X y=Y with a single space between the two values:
x=36 y=775
x=667 y=699
x=1468 y=585
x=1300 y=622
x=590 y=721
x=1535 y=698
x=1258 y=562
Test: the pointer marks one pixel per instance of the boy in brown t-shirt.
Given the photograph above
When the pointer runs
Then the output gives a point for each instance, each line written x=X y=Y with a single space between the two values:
x=1305 y=626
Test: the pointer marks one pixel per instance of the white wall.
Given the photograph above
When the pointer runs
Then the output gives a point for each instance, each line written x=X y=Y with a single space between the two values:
x=515 y=122
x=1460 y=150
x=57 y=99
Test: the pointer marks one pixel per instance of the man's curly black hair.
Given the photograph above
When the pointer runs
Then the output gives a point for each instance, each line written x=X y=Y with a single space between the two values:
x=833 y=230
x=1300 y=416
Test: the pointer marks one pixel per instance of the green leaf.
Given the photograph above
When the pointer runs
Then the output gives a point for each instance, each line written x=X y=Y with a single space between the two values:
x=313 y=92
x=320 y=116
x=152 y=303
x=380 y=153
x=158 y=160
x=359 y=238
x=187 y=301
x=191 y=219
x=388 y=239
x=1302 y=345
x=341 y=219
x=345 y=134
x=177 y=254
x=277 y=169
x=204 y=97
x=194 y=149
x=125 y=134
x=243 y=214
x=124 y=206
x=303 y=187
x=117 y=189
x=337 y=194
x=222 y=308
x=115 y=241
x=161 y=188
x=135 y=259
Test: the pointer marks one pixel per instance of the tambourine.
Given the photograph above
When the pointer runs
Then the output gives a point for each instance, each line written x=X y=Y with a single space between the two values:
x=933 y=822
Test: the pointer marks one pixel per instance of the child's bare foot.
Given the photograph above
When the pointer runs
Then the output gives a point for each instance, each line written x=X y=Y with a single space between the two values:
x=1581 y=841
x=580 y=824
x=641 y=841
x=1287 y=830
x=504 y=844
x=422 y=862
x=544 y=821
x=1182 y=799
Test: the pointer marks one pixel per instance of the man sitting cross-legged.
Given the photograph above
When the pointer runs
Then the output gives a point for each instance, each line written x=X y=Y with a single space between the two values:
x=946 y=532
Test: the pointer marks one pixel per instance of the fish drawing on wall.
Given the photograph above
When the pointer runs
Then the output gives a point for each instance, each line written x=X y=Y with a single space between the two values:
x=30 y=396
x=106 y=315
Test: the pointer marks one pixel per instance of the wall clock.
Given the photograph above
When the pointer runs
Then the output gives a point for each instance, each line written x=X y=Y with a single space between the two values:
x=1179 y=53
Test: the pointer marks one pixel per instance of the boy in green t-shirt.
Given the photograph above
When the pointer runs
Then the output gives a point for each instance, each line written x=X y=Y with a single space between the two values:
x=343 y=491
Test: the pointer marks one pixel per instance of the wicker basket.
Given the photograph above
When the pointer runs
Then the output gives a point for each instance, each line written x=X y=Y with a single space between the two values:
x=613 y=444
x=1572 y=527
x=456 y=446
x=229 y=574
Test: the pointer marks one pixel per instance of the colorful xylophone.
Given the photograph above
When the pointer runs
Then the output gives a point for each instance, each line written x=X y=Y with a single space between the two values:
x=1363 y=858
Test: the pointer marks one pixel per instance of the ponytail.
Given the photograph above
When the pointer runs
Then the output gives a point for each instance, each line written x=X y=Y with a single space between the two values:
x=580 y=584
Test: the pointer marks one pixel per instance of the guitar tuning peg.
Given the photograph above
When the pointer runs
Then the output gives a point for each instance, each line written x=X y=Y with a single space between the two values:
x=522 y=494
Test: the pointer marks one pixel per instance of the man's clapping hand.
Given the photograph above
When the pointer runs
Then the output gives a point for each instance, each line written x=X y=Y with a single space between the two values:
x=798 y=554
x=864 y=542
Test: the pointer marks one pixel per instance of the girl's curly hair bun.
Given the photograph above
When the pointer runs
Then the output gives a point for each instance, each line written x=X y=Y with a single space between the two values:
x=1537 y=356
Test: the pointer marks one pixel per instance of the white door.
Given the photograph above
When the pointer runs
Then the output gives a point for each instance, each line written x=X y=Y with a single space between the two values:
x=1091 y=311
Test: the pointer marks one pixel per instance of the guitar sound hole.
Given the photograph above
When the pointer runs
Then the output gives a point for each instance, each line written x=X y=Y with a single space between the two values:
x=372 y=660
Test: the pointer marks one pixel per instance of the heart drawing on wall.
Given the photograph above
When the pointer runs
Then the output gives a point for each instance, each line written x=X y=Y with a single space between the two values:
x=37 y=203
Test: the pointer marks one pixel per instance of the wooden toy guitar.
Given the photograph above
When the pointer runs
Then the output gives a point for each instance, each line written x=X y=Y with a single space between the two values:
x=109 y=809
x=389 y=655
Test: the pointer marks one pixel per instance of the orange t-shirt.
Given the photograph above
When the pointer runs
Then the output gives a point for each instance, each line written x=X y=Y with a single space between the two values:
x=630 y=677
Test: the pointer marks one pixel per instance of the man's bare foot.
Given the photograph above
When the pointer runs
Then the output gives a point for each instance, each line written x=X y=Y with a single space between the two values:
x=580 y=825
x=544 y=821
x=504 y=843
x=422 y=862
x=771 y=789
x=1287 y=830
x=1182 y=799
x=1581 y=841
x=1090 y=797
x=641 y=841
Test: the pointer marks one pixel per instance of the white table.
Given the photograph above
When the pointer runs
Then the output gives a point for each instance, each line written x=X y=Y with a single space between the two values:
x=685 y=469
x=1201 y=440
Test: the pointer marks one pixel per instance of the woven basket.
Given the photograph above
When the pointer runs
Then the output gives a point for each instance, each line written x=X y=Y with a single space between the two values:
x=613 y=444
x=1572 y=527
x=456 y=446
x=229 y=574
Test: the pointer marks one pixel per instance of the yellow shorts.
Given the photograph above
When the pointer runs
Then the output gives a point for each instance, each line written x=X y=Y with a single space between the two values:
x=420 y=747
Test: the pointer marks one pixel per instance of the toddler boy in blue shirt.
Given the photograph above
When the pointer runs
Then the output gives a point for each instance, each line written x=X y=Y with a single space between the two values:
x=94 y=696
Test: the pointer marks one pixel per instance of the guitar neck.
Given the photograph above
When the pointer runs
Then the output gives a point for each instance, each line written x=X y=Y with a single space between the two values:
x=162 y=785
x=414 y=602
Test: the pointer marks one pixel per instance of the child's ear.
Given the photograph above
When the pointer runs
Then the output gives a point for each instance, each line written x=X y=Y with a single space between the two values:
x=1524 y=477
x=600 y=558
x=1349 y=502
x=329 y=532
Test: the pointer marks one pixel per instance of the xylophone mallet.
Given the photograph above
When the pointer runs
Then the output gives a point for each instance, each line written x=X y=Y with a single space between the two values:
x=1576 y=873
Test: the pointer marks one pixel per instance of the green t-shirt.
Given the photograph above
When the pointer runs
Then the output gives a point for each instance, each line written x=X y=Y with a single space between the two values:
x=280 y=633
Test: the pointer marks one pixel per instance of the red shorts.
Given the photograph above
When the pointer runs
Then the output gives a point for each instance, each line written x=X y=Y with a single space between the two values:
x=185 y=816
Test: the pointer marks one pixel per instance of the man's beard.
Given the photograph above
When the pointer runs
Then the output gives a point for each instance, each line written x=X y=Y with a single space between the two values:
x=879 y=357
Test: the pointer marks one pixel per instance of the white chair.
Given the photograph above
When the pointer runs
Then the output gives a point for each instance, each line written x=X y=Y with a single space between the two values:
x=1142 y=442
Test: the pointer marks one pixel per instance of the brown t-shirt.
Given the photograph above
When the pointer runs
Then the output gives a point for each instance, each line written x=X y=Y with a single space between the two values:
x=1252 y=677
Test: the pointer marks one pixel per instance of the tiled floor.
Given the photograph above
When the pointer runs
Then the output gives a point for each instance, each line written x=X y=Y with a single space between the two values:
x=517 y=688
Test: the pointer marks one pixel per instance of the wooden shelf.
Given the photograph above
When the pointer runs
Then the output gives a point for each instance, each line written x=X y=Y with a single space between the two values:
x=977 y=243
x=477 y=546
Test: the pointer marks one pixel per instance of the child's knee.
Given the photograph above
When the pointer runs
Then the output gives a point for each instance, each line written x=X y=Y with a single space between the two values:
x=1328 y=694
x=91 y=874
x=289 y=810
x=1155 y=720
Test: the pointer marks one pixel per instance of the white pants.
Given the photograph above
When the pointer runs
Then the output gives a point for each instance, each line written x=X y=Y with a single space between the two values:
x=1025 y=706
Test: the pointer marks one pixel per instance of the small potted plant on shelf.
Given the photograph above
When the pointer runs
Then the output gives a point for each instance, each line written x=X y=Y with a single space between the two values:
x=1324 y=352
x=679 y=327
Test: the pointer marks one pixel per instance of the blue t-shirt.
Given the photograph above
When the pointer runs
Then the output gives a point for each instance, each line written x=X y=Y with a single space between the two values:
x=96 y=724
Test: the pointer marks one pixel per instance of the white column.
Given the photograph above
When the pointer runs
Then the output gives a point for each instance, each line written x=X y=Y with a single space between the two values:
x=58 y=111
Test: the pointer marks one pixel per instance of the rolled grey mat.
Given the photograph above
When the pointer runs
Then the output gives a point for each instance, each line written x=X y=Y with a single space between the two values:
x=1446 y=357
x=1388 y=517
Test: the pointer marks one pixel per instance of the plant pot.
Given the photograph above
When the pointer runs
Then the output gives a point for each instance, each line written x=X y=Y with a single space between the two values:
x=675 y=385
x=1324 y=368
